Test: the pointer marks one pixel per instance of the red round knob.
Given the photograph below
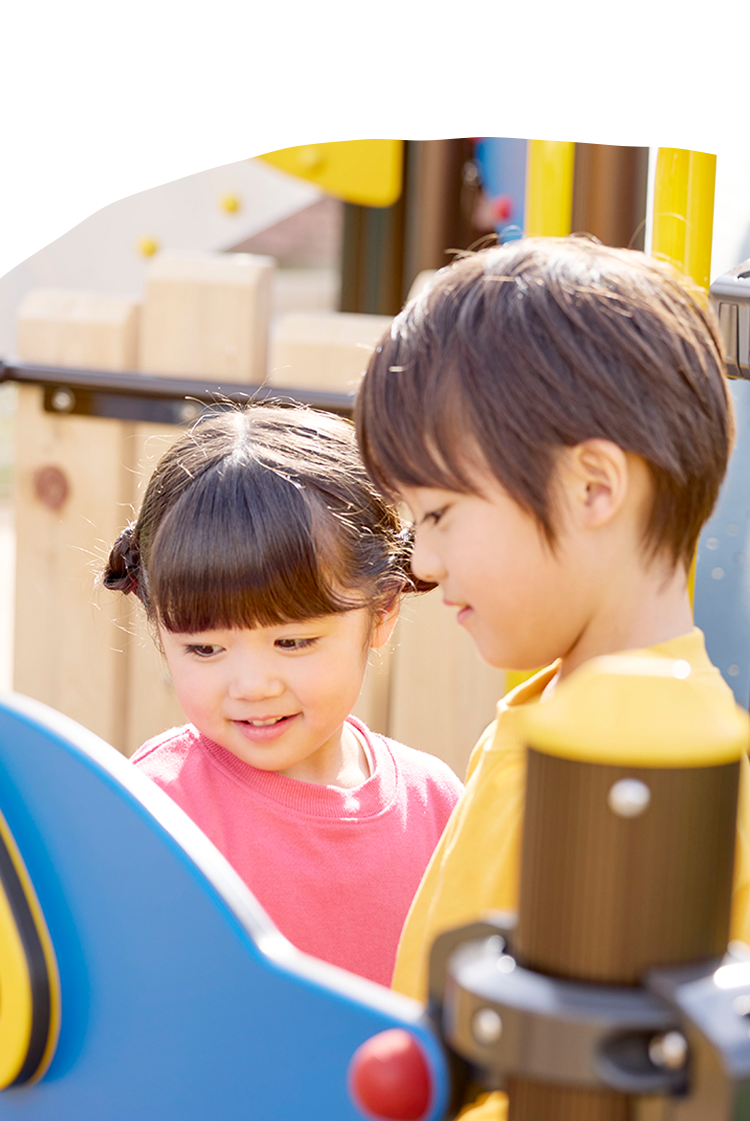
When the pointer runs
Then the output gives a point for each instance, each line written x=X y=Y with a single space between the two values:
x=502 y=208
x=389 y=1077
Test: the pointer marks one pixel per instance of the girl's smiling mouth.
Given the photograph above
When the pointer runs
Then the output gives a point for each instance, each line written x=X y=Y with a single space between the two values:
x=264 y=729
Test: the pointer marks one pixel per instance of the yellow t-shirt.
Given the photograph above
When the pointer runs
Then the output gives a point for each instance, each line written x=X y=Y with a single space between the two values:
x=476 y=866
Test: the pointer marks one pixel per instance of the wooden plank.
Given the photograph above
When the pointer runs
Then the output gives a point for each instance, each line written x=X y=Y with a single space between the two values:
x=151 y=705
x=442 y=694
x=207 y=314
x=204 y=314
x=323 y=350
x=79 y=329
x=72 y=481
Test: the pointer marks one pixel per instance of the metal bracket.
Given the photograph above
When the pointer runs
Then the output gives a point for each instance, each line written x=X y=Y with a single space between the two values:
x=134 y=396
x=730 y=295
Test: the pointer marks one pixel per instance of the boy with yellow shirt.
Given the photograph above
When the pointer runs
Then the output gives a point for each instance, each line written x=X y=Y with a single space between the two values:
x=554 y=412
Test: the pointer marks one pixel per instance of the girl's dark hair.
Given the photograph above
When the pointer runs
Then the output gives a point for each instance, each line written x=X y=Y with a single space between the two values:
x=514 y=352
x=261 y=516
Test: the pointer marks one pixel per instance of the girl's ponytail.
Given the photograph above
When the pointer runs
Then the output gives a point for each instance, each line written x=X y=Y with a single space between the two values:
x=123 y=569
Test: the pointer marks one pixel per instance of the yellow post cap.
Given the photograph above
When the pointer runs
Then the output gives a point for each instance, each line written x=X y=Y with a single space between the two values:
x=626 y=710
x=366 y=172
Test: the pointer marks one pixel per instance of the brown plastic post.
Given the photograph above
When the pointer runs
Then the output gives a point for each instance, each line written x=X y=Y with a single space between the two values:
x=604 y=896
x=609 y=193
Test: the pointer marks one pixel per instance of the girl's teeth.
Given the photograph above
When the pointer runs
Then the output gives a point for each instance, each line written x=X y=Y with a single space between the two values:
x=265 y=723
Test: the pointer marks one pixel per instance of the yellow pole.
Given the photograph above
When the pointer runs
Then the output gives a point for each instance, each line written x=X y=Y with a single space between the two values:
x=684 y=211
x=670 y=205
x=683 y=223
x=549 y=188
x=700 y=217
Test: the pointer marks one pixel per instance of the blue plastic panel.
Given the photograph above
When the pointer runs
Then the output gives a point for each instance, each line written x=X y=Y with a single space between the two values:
x=722 y=574
x=502 y=170
x=180 y=999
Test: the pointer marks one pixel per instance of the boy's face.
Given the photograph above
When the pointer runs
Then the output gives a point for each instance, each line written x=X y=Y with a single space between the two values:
x=523 y=605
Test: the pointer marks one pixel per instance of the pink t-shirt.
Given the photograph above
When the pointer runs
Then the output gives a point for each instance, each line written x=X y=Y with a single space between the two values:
x=335 y=869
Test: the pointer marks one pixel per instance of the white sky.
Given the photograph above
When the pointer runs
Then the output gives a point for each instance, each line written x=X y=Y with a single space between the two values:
x=101 y=101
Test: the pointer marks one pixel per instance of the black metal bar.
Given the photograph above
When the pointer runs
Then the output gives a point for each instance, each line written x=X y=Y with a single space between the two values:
x=133 y=384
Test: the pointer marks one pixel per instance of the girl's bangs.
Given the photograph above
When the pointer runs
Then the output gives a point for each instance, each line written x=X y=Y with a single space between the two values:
x=237 y=551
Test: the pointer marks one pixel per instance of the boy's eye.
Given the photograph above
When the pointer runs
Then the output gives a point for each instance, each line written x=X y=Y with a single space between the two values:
x=434 y=516
x=294 y=643
x=203 y=650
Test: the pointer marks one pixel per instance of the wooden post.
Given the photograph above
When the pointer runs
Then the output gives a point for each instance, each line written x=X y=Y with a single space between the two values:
x=72 y=492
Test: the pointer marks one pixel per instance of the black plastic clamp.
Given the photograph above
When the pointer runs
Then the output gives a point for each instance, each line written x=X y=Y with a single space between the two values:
x=685 y=1031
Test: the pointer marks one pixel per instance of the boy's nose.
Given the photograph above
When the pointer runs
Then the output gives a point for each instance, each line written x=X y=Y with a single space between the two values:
x=425 y=562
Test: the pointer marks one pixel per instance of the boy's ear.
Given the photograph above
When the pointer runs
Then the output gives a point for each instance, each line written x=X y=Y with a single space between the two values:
x=595 y=478
x=385 y=621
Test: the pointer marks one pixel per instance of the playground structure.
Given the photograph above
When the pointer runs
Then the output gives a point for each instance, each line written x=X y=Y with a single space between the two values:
x=133 y=908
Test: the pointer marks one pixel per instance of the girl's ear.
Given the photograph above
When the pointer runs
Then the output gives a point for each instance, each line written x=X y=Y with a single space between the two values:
x=385 y=621
x=594 y=478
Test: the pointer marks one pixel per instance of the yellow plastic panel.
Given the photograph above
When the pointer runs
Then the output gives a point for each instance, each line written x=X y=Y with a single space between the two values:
x=17 y=1005
x=29 y=978
x=366 y=172
x=549 y=188
x=638 y=712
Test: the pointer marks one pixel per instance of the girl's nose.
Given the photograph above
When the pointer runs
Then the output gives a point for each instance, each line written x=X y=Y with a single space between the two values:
x=251 y=680
x=425 y=561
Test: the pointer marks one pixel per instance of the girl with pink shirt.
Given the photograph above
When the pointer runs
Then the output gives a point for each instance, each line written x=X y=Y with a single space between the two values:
x=269 y=567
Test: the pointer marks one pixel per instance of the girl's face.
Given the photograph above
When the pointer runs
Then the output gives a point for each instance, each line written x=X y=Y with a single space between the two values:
x=277 y=697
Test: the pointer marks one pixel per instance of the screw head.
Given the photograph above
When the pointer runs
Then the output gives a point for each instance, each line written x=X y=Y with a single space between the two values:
x=668 y=1051
x=629 y=797
x=741 y=1005
x=486 y=1026
x=63 y=400
x=188 y=410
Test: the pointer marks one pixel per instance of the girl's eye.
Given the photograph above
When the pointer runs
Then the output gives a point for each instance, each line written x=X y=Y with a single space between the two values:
x=294 y=643
x=203 y=651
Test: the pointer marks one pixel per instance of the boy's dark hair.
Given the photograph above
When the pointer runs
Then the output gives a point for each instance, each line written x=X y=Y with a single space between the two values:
x=256 y=517
x=516 y=351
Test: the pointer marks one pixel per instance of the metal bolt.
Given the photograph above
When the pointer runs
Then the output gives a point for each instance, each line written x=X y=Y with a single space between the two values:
x=486 y=1026
x=741 y=1005
x=668 y=1051
x=188 y=410
x=63 y=400
x=629 y=797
